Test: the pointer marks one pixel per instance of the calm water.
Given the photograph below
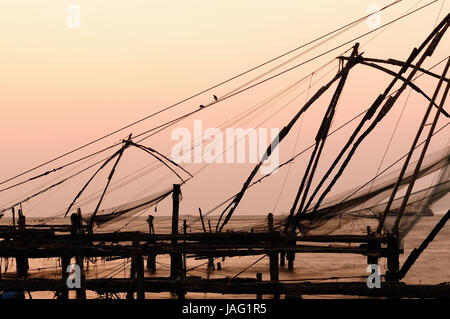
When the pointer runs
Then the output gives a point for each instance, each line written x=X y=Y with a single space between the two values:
x=433 y=266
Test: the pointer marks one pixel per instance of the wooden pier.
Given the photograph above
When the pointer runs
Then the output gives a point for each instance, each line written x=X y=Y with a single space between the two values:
x=74 y=241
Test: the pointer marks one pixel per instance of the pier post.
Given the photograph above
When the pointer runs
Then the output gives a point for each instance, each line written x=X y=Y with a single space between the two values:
x=136 y=272
x=176 y=261
x=290 y=258
x=209 y=225
x=210 y=259
x=76 y=231
x=81 y=292
x=282 y=258
x=139 y=270
x=76 y=223
x=22 y=261
x=201 y=218
x=258 y=278
x=130 y=293
x=211 y=265
x=65 y=262
x=273 y=256
x=151 y=258
x=13 y=211
x=393 y=264
x=184 y=243
x=371 y=244
x=140 y=277
x=291 y=254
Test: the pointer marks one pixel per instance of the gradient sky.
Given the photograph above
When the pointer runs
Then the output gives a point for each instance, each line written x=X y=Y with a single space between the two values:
x=62 y=87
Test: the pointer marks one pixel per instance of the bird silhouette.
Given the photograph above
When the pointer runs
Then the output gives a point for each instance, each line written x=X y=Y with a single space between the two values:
x=202 y=106
x=215 y=98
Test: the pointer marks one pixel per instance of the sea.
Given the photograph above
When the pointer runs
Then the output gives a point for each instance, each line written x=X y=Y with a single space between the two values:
x=432 y=267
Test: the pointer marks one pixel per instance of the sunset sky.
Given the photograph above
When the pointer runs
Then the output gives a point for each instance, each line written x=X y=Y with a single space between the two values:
x=62 y=87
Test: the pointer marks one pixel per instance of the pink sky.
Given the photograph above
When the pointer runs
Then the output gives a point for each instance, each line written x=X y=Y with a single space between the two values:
x=61 y=87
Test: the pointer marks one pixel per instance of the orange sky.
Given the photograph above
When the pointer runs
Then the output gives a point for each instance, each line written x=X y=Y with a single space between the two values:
x=61 y=87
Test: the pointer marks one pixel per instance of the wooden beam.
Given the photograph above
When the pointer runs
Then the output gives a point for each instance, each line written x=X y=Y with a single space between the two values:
x=417 y=251
x=236 y=286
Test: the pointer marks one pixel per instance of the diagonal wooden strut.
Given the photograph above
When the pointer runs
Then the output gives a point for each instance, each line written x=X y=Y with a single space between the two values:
x=418 y=251
x=271 y=147
x=425 y=147
x=118 y=154
x=408 y=158
x=411 y=84
x=430 y=43
x=110 y=176
x=320 y=139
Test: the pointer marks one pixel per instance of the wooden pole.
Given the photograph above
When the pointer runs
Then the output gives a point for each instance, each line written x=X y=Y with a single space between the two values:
x=176 y=263
x=151 y=258
x=110 y=176
x=184 y=242
x=372 y=244
x=76 y=223
x=211 y=264
x=22 y=261
x=282 y=258
x=210 y=259
x=259 y=278
x=201 y=218
x=273 y=256
x=290 y=258
x=65 y=262
x=81 y=292
x=393 y=263
x=290 y=254
x=245 y=286
x=417 y=251
x=130 y=293
x=76 y=230
x=139 y=268
x=425 y=146
x=21 y=220
x=274 y=144
x=209 y=224
x=387 y=209
x=134 y=269
x=13 y=216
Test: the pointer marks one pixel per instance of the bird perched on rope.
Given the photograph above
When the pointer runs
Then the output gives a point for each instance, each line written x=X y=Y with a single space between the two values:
x=215 y=98
x=201 y=106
